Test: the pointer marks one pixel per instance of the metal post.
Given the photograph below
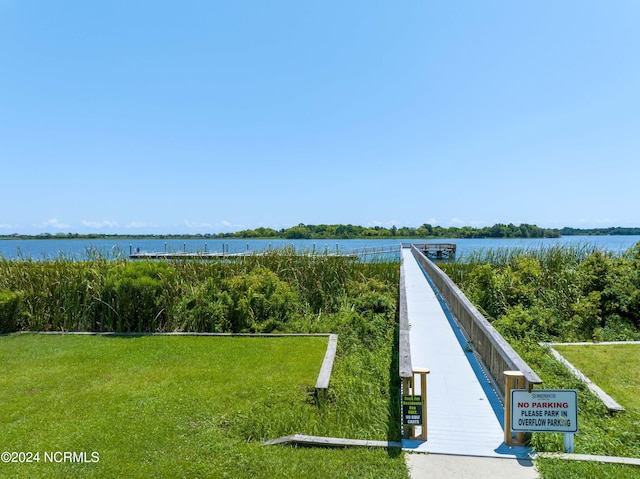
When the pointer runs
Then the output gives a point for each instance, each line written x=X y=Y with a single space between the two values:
x=569 y=444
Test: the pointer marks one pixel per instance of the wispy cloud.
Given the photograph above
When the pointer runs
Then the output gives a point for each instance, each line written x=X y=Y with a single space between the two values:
x=55 y=224
x=227 y=224
x=194 y=225
x=141 y=224
x=100 y=224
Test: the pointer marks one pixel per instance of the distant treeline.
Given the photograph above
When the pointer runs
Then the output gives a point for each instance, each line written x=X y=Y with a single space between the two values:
x=303 y=231
x=348 y=231
x=613 y=231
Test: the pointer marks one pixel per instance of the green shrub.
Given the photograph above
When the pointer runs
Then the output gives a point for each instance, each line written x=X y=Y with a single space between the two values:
x=134 y=298
x=521 y=322
x=557 y=293
x=10 y=310
x=261 y=301
x=205 y=308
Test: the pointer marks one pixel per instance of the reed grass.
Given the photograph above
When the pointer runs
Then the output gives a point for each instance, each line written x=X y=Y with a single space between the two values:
x=100 y=295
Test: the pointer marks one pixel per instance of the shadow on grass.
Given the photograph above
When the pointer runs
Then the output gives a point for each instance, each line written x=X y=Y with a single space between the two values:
x=394 y=429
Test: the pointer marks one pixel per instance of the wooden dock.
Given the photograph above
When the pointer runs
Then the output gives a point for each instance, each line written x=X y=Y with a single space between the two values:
x=431 y=250
x=181 y=255
x=464 y=412
x=437 y=250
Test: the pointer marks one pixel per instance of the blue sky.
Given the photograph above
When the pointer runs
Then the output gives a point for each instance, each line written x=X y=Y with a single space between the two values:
x=213 y=116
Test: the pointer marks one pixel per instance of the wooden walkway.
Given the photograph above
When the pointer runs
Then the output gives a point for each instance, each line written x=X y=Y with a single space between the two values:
x=464 y=414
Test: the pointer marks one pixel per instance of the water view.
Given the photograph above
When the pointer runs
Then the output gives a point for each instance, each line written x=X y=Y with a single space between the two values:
x=79 y=249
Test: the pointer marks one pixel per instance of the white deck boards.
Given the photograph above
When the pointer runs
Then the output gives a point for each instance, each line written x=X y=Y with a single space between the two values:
x=461 y=407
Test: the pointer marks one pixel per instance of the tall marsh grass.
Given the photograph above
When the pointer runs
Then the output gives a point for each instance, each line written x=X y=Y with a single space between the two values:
x=148 y=296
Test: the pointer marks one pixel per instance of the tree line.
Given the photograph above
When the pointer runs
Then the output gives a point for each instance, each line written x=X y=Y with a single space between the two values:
x=348 y=231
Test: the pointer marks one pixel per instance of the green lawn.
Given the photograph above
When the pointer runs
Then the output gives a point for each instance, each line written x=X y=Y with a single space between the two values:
x=168 y=406
x=615 y=369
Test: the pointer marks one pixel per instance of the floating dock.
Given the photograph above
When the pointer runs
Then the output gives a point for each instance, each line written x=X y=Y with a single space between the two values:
x=217 y=255
x=431 y=250
x=184 y=255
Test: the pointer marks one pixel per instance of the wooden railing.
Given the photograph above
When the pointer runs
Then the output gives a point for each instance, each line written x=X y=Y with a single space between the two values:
x=404 y=347
x=498 y=356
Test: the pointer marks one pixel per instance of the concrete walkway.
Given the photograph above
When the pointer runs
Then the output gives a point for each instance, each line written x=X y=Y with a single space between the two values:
x=464 y=414
x=442 y=466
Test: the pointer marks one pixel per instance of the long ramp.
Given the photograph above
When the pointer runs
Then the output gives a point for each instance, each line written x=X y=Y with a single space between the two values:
x=464 y=414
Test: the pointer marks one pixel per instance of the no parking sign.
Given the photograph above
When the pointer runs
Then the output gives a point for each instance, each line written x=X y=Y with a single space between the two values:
x=544 y=410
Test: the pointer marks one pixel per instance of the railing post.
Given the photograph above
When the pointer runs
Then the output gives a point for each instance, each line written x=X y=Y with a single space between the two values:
x=407 y=387
x=422 y=372
x=512 y=380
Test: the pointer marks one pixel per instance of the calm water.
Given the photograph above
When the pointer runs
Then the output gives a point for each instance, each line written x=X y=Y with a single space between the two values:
x=76 y=249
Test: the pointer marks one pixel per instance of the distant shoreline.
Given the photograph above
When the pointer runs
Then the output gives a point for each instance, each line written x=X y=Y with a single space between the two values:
x=330 y=232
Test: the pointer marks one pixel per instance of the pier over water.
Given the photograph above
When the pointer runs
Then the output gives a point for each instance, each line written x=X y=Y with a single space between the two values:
x=465 y=414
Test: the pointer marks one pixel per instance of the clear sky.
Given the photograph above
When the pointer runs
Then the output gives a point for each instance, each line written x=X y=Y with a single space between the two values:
x=209 y=116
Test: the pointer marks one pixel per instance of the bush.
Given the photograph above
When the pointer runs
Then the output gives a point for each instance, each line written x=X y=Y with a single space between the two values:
x=261 y=301
x=134 y=297
x=10 y=310
x=556 y=294
x=257 y=301
x=205 y=309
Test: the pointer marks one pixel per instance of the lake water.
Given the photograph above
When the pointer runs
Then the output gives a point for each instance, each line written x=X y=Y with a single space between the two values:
x=78 y=249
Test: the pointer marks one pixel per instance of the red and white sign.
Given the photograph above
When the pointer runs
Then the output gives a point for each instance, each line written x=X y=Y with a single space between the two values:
x=544 y=410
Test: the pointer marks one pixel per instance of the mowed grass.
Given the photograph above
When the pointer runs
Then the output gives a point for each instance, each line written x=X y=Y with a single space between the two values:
x=615 y=369
x=168 y=406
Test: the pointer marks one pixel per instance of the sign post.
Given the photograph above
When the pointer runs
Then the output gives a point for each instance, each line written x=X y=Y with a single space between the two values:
x=414 y=404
